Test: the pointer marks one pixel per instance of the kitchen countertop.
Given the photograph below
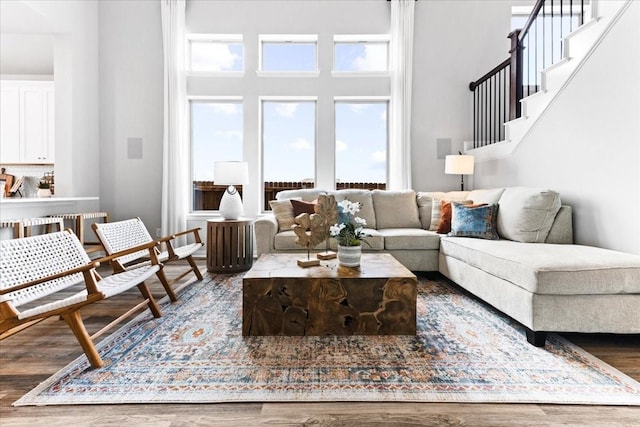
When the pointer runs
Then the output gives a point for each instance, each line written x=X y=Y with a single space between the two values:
x=35 y=200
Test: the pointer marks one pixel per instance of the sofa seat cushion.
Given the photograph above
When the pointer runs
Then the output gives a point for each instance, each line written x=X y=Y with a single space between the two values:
x=286 y=241
x=409 y=239
x=374 y=241
x=550 y=269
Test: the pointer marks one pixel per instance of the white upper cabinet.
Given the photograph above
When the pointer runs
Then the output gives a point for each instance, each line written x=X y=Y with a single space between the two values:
x=27 y=122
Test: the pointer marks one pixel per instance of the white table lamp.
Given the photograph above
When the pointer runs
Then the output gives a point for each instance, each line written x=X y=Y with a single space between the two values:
x=459 y=164
x=231 y=174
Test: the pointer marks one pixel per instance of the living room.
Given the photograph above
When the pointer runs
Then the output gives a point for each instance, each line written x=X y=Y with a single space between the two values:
x=108 y=75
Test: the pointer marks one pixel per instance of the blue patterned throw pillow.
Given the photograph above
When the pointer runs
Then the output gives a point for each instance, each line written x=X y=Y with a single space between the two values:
x=477 y=221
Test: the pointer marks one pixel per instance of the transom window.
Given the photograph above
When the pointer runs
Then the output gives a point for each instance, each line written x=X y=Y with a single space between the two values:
x=288 y=53
x=216 y=53
x=361 y=54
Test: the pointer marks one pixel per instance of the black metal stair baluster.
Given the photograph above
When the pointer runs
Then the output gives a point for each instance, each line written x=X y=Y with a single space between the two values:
x=570 y=16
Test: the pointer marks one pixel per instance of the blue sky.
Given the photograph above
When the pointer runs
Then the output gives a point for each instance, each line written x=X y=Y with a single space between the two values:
x=289 y=136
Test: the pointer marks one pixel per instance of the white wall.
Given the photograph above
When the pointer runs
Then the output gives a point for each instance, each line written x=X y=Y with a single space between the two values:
x=74 y=27
x=26 y=54
x=446 y=60
x=131 y=106
x=587 y=144
x=455 y=42
x=324 y=18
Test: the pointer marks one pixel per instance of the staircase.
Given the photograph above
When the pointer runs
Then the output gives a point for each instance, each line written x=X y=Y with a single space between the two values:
x=508 y=102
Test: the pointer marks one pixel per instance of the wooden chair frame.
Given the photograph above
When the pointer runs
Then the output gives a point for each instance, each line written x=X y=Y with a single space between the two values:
x=118 y=235
x=14 y=292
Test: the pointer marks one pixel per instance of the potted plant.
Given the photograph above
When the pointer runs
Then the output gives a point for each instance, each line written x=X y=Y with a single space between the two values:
x=349 y=232
x=44 y=189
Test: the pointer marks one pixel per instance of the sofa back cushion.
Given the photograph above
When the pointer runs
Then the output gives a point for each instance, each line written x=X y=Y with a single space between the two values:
x=366 y=203
x=562 y=229
x=526 y=214
x=396 y=209
x=426 y=204
x=488 y=196
x=306 y=194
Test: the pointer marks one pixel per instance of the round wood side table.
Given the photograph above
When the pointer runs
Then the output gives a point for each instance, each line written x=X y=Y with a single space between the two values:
x=229 y=245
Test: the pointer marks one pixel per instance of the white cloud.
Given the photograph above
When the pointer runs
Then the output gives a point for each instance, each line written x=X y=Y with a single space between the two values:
x=379 y=156
x=301 y=144
x=224 y=108
x=383 y=115
x=374 y=59
x=212 y=57
x=287 y=109
x=231 y=134
x=341 y=145
x=357 y=107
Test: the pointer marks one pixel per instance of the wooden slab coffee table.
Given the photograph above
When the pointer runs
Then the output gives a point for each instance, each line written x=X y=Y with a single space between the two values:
x=280 y=298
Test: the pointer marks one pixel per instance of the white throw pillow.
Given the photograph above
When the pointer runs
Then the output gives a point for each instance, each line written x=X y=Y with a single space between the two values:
x=283 y=211
x=436 y=214
x=527 y=214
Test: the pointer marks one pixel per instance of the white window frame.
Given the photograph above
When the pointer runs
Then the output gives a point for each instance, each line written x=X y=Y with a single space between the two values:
x=361 y=38
x=261 y=101
x=287 y=38
x=363 y=100
x=205 y=98
x=215 y=38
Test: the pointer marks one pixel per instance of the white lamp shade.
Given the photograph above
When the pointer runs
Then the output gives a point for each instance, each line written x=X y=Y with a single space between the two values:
x=231 y=173
x=458 y=164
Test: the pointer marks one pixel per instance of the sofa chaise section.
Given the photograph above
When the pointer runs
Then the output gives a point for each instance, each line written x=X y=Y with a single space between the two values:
x=549 y=287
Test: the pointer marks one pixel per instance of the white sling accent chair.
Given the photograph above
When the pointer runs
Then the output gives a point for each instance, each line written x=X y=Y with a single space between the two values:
x=120 y=235
x=51 y=275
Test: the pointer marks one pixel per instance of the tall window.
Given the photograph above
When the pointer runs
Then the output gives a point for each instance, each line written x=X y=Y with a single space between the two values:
x=288 y=144
x=216 y=135
x=361 y=144
x=216 y=53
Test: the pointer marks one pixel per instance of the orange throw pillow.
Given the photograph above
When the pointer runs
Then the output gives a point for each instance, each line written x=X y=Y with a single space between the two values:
x=444 y=226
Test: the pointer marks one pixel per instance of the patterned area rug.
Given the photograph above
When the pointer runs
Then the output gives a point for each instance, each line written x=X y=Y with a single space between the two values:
x=463 y=352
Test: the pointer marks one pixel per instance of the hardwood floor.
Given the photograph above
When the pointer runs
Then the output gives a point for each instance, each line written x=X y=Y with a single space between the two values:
x=34 y=354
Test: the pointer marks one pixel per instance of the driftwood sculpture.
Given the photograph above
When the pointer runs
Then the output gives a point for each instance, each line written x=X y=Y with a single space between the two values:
x=328 y=208
x=311 y=230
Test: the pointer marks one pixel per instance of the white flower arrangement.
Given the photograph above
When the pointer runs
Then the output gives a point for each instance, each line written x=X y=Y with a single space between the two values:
x=349 y=229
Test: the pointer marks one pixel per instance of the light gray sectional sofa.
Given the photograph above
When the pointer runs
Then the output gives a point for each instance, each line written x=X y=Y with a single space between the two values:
x=533 y=273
